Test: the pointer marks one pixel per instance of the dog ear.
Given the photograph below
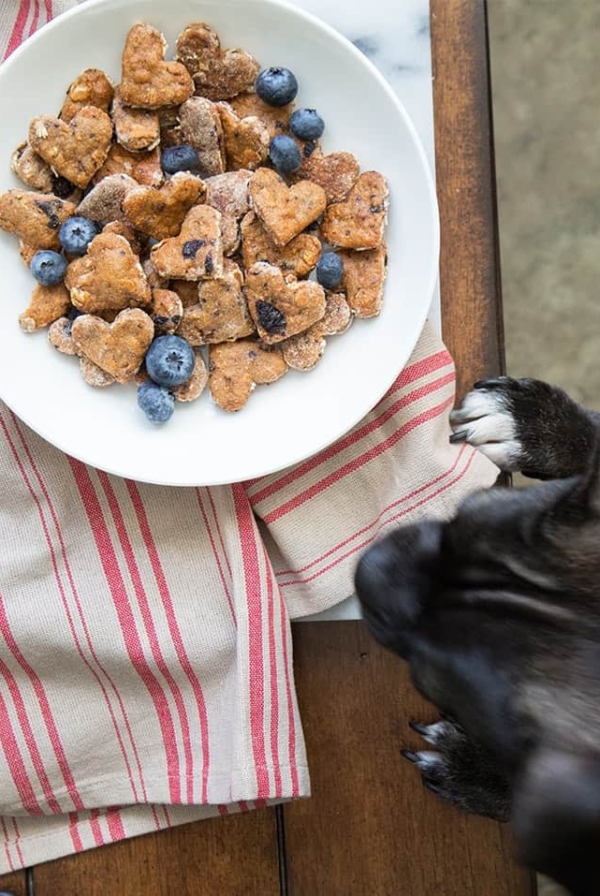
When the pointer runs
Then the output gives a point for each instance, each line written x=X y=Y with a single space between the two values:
x=556 y=819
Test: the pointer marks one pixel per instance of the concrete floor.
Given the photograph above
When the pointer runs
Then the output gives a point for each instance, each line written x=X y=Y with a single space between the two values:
x=546 y=95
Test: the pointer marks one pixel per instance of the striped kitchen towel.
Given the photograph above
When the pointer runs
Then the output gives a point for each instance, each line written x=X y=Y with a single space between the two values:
x=146 y=672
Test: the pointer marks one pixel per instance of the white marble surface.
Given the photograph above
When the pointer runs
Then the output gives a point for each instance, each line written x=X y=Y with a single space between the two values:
x=394 y=35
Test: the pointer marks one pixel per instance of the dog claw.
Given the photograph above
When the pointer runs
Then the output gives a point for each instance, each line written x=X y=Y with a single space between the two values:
x=418 y=727
x=408 y=754
x=460 y=436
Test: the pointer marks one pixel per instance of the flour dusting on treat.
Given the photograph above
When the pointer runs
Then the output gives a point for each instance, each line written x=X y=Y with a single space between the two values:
x=282 y=307
x=75 y=150
x=197 y=253
x=147 y=81
x=218 y=74
x=285 y=211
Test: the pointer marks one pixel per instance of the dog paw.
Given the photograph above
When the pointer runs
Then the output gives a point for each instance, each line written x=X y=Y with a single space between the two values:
x=460 y=771
x=486 y=420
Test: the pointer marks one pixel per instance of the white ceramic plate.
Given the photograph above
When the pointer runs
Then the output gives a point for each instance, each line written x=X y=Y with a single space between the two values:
x=302 y=413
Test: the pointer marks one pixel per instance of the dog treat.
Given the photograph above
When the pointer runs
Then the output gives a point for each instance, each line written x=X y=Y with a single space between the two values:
x=75 y=150
x=135 y=129
x=194 y=387
x=304 y=351
x=31 y=169
x=147 y=81
x=91 y=88
x=221 y=314
x=358 y=222
x=48 y=303
x=166 y=311
x=245 y=140
x=336 y=173
x=161 y=212
x=200 y=126
x=285 y=211
x=218 y=74
x=363 y=280
x=228 y=193
x=298 y=257
x=60 y=336
x=187 y=290
x=143 y=167
x=281 y=307
x=236 y=368
x=275 y=118
x=94 y=375
x=197 y=252
x=34 y=217
x=126 y=229
x=117 y=348
x=104 y=201
x=108 y=278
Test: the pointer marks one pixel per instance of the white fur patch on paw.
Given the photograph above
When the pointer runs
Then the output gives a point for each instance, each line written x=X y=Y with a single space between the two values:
x=485 y=421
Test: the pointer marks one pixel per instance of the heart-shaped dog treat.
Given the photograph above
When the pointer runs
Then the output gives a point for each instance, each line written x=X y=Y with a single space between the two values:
x=276 y=118
x=303 y=352
x=336 y=173
x=218 y=74
x=236 y=368
x=281 y=308
x=104 y=202
x=246 y=140
x=299 y=256
x=160 y=213
x=90 y=88
x=285 y=211
x=135 y=129
x=116 y=348
x=197 y=253
x=359 y=221
x=221 y=314
x=147 y=80
x=76 y=149
x=108 y=278
x=34 y=217
x=141 y=166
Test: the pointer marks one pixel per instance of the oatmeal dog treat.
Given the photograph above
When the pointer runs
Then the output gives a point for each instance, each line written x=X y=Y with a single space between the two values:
x=34 y=217
x=166 y=311
x=135 y=129
x=90 y=88
x=200 y=126
x=218 y=74
x=116 y=348
x=303 y=352
x=59 y=335
x=298 y=258
x=144 y=167
x=194 y=387
x=276 y=118
x=336 y=173
x=285 y=211
x=104 y=201
x=94 y=375
x=160 y=213
x=126 y=229
x=363 y=280
x=281 y=308
x=359 y=221
x=221 y=314
x=147 y=81
x=187 y=290
x=197 y=253
x=47 y=304
x=228 y=193
x=31 y=169
x=108 y=278
x=246 y=140
x=236 y=368
x=75 y=150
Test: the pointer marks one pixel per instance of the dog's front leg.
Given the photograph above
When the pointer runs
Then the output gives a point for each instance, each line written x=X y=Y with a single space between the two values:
x=527 y=425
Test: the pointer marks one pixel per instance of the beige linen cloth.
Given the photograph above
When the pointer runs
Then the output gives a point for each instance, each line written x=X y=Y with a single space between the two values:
x=145 y=648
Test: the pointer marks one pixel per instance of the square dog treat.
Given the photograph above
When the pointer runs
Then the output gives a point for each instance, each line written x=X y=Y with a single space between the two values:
x=363 y=280
x=75 y=150
x=197 y=253
x=147 y=80
x=34 y=217
x=359 y=221
x=246 y=140
x=221 y=314
x=161 y=212
x=298 y=257
x=229 y=194
x=135 y=129
x=281 y=308
x=200 y=126
x=236 y=368
x=117 y=348
x=108 y=278
x=91 y=88
x=285 y=211
x=218 y=74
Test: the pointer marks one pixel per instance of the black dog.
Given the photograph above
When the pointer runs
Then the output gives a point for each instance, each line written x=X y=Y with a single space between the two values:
x=498 y=614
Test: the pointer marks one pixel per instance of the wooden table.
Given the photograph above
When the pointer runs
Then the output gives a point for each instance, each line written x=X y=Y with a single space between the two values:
x=370 y=828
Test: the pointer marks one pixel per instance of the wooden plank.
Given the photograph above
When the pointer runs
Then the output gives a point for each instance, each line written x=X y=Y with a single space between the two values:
x=15 y=884
x=236 y=855
x=371 y=827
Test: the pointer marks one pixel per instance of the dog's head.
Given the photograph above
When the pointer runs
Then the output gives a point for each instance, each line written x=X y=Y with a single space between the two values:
x=497 y=612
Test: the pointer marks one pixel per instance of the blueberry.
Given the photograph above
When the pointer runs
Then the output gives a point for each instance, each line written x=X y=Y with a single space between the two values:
x=276 y=86
x=284 y=154
x=156 y=402
x=170 y=361
x=48 y=267
x=76 y=234
x=330 y=269
x=307 y=124
x=179 y=158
